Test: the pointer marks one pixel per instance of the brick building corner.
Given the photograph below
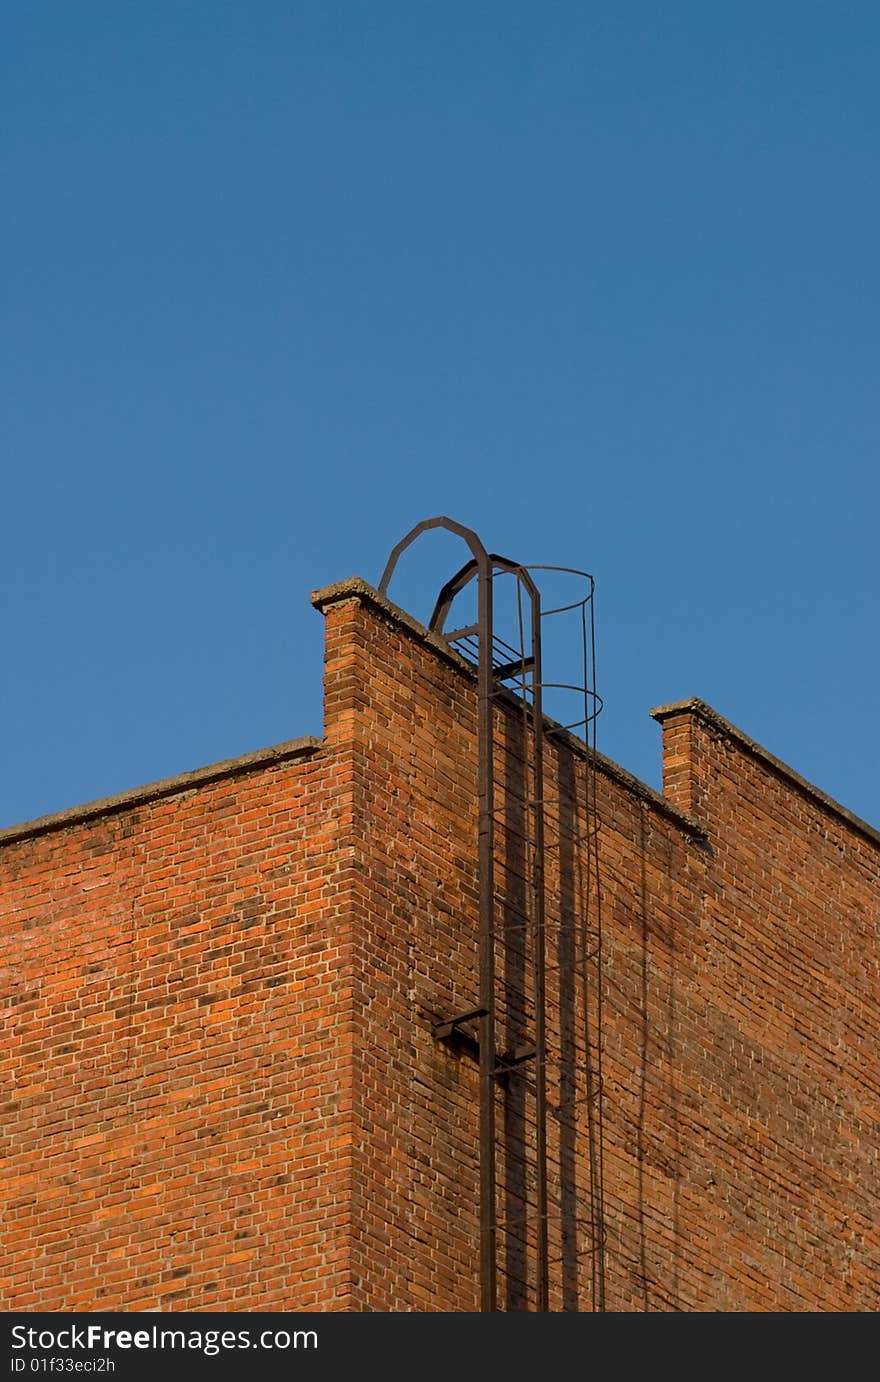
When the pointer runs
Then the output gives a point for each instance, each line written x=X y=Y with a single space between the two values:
x=222 y=1086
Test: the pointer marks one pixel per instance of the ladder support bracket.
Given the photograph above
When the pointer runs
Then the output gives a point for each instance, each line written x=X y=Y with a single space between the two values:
x=450 y=1032
x=510 y=1061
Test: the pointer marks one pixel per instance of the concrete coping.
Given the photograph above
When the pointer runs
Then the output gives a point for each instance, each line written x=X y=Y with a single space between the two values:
x=356 y=588
x=165 y=787
x=699 y=710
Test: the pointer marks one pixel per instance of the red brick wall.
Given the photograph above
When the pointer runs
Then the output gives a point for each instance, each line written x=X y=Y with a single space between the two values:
x=405 y=718
x=411 y=715
x=175 y=1075
x=740 y=986
x=224 y=1092
x=789 y=971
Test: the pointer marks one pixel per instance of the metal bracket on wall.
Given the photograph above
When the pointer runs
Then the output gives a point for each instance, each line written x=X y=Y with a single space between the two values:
x=450 y=1032
x=509 y=1062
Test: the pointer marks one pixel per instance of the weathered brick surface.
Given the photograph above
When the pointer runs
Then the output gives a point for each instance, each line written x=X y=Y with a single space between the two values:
x=223 y=1091
x=177 y=1096
x=789 y=974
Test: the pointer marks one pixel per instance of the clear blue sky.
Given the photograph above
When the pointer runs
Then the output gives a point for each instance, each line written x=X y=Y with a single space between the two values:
x=599 y=279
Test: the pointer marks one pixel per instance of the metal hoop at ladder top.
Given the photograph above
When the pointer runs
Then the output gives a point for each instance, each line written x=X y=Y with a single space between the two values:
x=483 y=566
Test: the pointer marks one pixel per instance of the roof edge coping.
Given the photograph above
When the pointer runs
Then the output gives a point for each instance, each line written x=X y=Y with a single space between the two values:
x=164 y=787
x=356 y=588
x=700 y=710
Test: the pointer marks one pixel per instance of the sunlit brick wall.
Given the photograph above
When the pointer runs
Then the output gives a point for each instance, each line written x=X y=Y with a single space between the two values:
x=175 y=1096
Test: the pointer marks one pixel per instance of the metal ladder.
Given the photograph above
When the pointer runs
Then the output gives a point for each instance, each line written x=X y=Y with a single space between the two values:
x=498 y=664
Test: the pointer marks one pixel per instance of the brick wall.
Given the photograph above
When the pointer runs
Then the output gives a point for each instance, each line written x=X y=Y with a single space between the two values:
x=789 y=974
x=223 y=1087
x=176 y=1091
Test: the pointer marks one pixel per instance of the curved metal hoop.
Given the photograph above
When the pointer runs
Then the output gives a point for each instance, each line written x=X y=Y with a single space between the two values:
x=457 y=583
x=480 y=561
x=480 y=555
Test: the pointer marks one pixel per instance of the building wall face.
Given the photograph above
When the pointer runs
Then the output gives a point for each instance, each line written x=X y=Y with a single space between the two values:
x=789 y=969
x=223 y=1005
x=739 y=988
x=177 y=1102
x=408 y=724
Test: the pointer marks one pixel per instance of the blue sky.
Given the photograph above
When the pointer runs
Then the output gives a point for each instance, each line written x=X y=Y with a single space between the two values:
x=598 y=279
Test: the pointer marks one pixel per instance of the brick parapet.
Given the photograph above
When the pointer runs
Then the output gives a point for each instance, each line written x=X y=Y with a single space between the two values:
x=689 y=725
x=165 y=787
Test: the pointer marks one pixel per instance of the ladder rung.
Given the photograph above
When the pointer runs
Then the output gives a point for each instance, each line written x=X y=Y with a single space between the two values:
x=518 y=667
